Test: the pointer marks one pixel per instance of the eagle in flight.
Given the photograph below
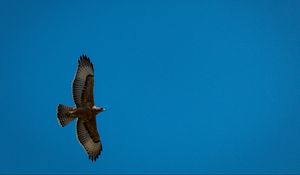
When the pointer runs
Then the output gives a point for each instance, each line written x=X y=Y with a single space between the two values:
x=85 y=111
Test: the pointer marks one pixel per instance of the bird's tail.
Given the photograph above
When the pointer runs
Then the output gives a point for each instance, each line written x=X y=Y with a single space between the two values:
x=63 y=114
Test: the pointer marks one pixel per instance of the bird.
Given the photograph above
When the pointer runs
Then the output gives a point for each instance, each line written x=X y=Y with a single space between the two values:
x=85 y=111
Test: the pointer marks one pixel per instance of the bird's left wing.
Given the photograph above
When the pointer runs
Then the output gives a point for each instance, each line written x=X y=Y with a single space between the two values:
x=89 y=138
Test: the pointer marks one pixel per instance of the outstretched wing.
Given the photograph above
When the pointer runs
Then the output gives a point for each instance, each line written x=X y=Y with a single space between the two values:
x=83 y=83
x=89 y=138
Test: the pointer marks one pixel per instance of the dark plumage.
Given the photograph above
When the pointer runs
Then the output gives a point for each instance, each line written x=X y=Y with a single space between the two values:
x=85 y=111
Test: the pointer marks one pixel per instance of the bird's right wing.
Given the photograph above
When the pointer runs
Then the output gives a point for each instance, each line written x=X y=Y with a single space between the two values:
x=88 y=137
x=83 y=82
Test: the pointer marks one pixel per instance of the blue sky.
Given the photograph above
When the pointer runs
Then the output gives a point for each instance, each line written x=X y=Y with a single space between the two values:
x=189 y=86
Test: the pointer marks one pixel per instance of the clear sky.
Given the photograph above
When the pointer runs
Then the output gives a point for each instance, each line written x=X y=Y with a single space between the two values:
x=189 y=86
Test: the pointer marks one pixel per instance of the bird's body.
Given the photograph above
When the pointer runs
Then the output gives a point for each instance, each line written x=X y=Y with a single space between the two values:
x=85 y=111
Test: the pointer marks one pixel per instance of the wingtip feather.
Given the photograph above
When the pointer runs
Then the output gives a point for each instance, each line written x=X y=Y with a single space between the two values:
x=84 y=60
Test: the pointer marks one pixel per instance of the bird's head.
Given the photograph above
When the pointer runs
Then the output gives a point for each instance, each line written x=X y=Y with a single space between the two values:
x=98 y=109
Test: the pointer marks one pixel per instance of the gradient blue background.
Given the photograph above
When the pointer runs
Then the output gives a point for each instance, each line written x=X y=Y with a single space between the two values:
x=189 y=86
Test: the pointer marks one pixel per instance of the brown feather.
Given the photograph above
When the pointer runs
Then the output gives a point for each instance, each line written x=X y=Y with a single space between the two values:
x=89 y=138
x=87 y=97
